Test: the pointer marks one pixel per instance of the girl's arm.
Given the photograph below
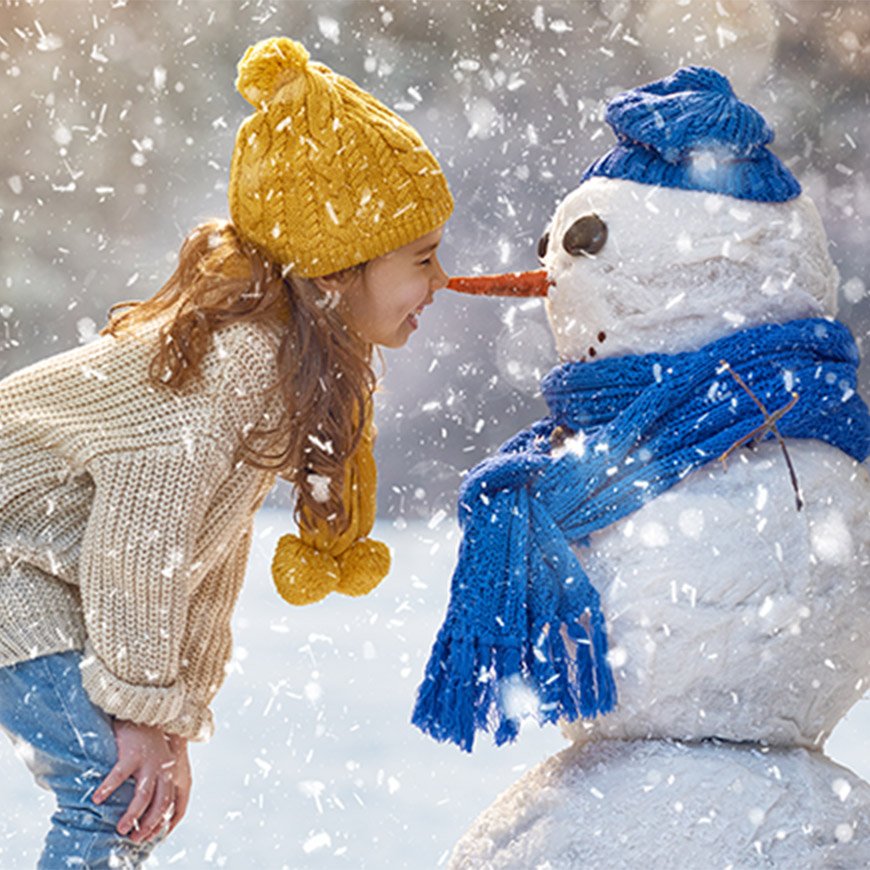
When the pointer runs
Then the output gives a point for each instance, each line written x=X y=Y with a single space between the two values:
x=208 y=640
x=134 y=574
x=156 y=758
x=157 y=459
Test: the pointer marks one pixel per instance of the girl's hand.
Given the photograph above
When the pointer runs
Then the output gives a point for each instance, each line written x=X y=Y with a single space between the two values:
x=158 y=763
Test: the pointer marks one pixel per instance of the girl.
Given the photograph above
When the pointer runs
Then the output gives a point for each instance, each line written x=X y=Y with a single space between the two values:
x=131 y=468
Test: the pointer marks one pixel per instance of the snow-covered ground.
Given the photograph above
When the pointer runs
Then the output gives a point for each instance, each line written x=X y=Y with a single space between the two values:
x=314 y=763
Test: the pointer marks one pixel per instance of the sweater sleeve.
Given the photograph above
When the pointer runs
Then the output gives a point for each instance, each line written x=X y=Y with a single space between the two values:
x=208 y=642
x=135 y=574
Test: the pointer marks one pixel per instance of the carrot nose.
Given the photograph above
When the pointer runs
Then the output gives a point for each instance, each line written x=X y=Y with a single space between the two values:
x=508 y=284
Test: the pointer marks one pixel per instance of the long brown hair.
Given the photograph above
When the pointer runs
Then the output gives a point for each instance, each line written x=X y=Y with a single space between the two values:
x=325 y=377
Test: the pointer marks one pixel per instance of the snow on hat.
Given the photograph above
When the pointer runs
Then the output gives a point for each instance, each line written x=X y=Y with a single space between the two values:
x=323 y=175
x=690 y=131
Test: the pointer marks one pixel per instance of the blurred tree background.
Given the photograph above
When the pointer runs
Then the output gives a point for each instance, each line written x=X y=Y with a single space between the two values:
x=119 y=116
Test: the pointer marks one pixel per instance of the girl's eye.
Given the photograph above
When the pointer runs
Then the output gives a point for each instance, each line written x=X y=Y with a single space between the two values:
x=426 y=262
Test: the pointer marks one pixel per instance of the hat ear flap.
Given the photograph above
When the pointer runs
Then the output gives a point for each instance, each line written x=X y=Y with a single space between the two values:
x=365 y=562
x=307 y=567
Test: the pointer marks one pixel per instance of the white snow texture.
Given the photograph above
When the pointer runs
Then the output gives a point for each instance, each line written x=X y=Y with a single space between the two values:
x=632 y=804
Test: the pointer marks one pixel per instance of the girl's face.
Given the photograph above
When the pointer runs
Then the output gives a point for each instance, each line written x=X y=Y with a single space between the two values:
x=384 y=301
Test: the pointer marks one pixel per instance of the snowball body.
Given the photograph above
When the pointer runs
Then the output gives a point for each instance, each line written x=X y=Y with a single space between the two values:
x=654 y=803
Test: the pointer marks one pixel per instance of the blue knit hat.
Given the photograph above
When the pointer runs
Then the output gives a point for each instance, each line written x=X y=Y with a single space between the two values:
x=690 y=131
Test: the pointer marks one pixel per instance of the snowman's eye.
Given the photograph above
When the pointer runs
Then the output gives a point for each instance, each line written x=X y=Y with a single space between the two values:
x=542 y=245
x=586 y=235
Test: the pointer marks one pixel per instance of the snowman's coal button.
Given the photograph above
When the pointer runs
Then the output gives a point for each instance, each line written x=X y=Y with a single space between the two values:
x=542 y=245
x=586 y=235
x=602 y=336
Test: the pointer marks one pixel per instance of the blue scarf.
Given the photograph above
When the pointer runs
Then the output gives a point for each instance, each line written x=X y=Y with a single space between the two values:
x=519 y=591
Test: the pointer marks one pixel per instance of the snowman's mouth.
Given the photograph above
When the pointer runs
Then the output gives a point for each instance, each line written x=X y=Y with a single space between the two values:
x=509 y=284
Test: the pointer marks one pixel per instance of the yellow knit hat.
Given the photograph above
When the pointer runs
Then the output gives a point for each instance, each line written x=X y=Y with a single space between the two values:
x=324 y=176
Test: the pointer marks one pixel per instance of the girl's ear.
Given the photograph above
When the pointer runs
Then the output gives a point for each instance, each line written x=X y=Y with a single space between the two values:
x=337 y=282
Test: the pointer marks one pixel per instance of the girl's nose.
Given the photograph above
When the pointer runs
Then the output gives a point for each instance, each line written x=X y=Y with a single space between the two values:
x=440 y=278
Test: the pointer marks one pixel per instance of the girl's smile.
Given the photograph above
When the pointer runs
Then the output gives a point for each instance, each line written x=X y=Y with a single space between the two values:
x=414 y=316
x=384 y=301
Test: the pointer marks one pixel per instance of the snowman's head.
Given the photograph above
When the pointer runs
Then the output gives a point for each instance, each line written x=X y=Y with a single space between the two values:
x=687 y=229
x=637 y=268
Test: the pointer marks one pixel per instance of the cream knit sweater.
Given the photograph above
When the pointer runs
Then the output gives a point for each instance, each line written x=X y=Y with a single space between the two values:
x=125 y=523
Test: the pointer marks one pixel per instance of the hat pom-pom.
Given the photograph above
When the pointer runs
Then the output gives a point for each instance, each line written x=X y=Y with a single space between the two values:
x=363 y=565
x=268 y=67
x=301 y=573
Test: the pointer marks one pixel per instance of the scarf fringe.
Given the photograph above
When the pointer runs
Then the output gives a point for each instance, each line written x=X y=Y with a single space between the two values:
x=472 y=684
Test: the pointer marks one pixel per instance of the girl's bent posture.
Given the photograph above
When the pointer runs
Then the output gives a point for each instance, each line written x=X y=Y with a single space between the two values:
x=131 y=468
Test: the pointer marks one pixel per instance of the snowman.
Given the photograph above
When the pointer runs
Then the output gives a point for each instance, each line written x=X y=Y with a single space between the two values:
x=675 y=563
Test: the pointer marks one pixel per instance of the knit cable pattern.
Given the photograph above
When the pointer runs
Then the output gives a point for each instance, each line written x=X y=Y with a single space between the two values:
x=324 y=176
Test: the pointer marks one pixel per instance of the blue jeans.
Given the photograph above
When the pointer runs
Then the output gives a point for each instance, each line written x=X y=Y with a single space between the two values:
x=69 y=745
